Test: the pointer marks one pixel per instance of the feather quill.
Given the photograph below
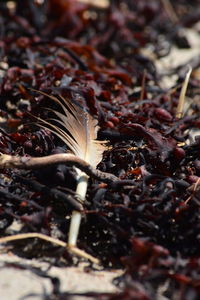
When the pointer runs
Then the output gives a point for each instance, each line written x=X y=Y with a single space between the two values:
x=78 y=130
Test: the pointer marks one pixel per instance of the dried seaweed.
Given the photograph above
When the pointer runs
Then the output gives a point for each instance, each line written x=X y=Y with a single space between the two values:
x=147 y=222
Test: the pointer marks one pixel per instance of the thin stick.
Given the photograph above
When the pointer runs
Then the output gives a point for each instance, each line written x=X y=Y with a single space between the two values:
x=56 y=194
x=23 y=162
x=49 y=239
x=30 y=235
x=83 y=254
x=143 y=85
x=170 y=11
x=181 y=101
x=193 y=188
x=96 y=3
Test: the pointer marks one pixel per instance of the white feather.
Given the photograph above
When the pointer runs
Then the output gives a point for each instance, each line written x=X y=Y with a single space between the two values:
x=78 y=130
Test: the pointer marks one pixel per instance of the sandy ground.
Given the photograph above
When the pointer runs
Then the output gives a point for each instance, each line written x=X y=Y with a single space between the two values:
x=23 y=283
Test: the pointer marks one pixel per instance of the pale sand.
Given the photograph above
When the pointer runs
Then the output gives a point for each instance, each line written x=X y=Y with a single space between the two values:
x=16 y=283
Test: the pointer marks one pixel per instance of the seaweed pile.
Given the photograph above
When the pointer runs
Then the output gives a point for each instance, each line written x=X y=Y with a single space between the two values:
x=93 y=56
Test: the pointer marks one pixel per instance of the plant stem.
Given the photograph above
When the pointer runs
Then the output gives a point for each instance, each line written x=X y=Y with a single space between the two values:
x=181 y=101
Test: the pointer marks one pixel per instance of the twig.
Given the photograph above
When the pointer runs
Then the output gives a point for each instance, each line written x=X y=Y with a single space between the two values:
x=96 y=3
x=181 y=101
x=49 y=239
x=29 y=235
x=170 y=11
x=23 y=162
x=7 y=195
x=52 y=192
x=143 y=85
x=193 y=188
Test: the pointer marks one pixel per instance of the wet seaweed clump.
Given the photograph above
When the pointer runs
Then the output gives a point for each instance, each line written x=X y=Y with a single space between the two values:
x=104 y=58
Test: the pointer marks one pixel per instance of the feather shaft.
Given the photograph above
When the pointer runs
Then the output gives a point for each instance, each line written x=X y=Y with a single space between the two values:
x=81 y=190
